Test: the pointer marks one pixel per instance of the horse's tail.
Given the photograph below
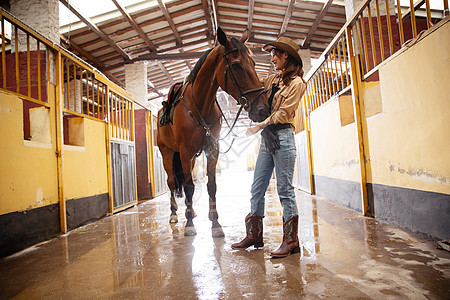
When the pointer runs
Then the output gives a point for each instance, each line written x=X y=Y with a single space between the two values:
x=178 y=174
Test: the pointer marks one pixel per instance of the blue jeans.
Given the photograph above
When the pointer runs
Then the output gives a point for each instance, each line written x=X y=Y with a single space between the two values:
x=283 y=161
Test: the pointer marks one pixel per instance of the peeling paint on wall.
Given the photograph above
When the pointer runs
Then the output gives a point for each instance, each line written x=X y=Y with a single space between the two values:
x=39 y=197
x=421 y=175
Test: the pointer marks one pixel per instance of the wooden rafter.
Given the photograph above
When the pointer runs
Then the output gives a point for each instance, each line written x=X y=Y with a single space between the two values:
x=251 y=8
x=316 y=23
x=163 y=68
x=135 y=26
x=287 y=17
x=151 y=86
x=216 y=13
x=209 y=18
x=89 y=23
x=169 y=20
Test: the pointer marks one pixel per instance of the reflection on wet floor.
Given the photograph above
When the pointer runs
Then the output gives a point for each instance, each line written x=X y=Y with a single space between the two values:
x=137 y=254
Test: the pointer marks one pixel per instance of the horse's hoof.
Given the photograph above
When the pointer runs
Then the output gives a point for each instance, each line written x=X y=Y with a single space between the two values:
x=217 y=232
x=190 y=231
x=173 y=219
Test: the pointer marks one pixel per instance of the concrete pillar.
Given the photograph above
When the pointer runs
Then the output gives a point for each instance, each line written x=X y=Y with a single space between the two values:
x=136 y=84
x=136 y=81
x=41 y=15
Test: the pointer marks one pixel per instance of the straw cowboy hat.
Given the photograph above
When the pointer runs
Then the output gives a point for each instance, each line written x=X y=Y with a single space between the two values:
x=287 y=45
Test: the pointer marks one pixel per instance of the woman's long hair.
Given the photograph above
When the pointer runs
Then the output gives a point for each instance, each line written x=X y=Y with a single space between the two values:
x=291 y=69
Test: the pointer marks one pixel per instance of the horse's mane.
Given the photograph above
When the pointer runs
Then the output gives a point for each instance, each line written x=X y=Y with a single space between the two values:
x=193 y=74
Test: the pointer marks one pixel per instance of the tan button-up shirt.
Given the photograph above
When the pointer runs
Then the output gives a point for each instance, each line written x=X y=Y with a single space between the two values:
x=285 y=101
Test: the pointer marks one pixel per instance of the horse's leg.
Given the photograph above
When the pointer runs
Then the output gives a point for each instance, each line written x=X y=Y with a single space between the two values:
x=167 y=155
x=187 y=163
x=212 y=188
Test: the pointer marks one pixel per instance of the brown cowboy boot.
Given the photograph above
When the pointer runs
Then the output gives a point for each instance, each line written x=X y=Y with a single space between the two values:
x=290 y=244
x=254 y=226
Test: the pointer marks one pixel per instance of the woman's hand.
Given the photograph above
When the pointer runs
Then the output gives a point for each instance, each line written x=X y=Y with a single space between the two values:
x=253 y=130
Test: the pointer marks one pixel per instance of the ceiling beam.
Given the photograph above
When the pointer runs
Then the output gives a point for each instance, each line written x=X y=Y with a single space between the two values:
x=287 y=17
x=163 y=68
x=153 y=89
x=216 y=14
x=251 y=9
x=169 y=20
x=168 y=57
x=89 y=23
x=135 y=26
x=317 y=22
x=209 y=18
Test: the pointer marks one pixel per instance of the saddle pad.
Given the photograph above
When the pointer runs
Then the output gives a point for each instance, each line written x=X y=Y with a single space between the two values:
x=166 y=115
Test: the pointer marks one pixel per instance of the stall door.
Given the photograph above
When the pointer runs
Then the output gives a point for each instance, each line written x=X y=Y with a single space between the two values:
x=123 y=178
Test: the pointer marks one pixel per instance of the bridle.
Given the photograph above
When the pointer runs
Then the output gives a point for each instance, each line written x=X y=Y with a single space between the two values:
x=243 y=100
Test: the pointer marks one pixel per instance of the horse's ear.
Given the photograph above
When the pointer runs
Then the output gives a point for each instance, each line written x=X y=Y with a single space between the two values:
x=222 y=37
x=244 y=36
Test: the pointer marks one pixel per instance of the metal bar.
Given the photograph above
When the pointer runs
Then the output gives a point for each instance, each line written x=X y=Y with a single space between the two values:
x=413 y=18
x=74 y=87
x=28 y=66
x=322 y=91
x=316 y=92
x=132 y=126
x=68 y=84
x=340 y=63
x=330 y=75
x=388 y=18
x=372 y=37
x=93 y=95
x=336 y=69
x=16 y=56
x=39 y=69
x=3 y=54
x=427 y=7
x=98 y=101
x=366 y=51
x=116 y=115
x=87 y=93
x=359 y=38
x=380 y=30
x=400 y=22
x=59 y=148
x=359 y=118
x=103 y=100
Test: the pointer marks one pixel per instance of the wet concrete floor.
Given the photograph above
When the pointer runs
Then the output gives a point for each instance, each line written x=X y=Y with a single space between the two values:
x=137 y=254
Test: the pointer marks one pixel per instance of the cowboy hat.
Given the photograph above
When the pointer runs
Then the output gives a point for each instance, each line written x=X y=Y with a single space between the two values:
x=287 y=45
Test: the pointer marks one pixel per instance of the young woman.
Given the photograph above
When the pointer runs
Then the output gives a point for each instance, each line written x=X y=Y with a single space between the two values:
x=277 y=149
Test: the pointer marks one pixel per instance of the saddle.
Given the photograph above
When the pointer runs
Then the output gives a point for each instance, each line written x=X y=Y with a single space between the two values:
x=166 y=116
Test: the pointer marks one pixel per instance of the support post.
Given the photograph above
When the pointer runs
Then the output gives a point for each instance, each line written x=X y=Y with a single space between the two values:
x=358 y=109
x=59 y=143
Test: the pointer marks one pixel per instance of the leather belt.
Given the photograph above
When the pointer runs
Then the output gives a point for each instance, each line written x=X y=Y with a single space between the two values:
x=281 y=126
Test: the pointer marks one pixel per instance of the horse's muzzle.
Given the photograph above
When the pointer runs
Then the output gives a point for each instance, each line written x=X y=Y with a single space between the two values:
x=258 y=115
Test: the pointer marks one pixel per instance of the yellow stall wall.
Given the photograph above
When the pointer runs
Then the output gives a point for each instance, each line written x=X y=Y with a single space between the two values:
x=28 y=169
x=84 y=168
x=409 y=142
x=334 y=147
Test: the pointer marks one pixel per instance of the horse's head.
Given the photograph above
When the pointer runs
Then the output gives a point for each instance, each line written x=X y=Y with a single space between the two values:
x=239 y=78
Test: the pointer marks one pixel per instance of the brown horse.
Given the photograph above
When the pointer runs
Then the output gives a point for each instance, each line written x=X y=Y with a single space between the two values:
x=197 y=122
